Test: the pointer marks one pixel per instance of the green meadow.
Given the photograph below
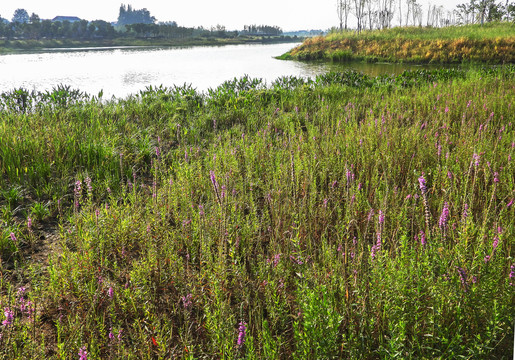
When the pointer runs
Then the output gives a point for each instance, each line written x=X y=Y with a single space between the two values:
x=345 y=216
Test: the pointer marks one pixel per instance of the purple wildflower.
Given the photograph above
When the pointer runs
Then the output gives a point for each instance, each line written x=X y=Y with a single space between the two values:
x=275 y=260
x=186 y=301
x=13 y=237
x=476 y=158
x=370 y=214
x=465 y=211
x=422 y=184
x=241 y=335
x=29 y=224
x=9 y=316
x=21 y=300
x=495 y=243
x=381 y=217
x=422 y=238
x=298 y=261
x=444 y=217
x=350 y=176
x=110 y=292
x=496 y=177
x=376 y=247
x=28 y=308
x=463 y=277
x=213 y=178
x=83 y=354
x=88 y=185
x=78 y=187
x=111 y=335
x=487 y=258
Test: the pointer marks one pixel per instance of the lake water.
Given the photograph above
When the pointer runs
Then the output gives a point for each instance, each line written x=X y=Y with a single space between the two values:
x=123 y=71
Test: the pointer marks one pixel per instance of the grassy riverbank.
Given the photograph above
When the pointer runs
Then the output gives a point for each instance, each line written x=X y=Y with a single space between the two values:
x=13 y=46
x=493 y=43
x=346 y=217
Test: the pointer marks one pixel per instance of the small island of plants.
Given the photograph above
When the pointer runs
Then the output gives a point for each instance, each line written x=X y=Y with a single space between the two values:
x=492 y=43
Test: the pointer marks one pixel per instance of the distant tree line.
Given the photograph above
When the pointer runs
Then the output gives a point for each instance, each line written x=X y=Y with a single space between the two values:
x=481 y=11
x=131 y=22
x=35 y=28
x=381 y=14
x=263 y=30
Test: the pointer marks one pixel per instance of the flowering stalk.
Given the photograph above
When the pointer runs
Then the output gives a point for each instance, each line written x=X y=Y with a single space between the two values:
x=423 y=241
x=83 y=354
x=77 y=192
x=241 y=335
x=444 y=217
x=9 y=317
x=215 y=186
x=423 y=190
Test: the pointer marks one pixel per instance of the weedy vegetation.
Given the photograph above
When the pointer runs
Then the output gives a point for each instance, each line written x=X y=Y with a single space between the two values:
x=345 y=216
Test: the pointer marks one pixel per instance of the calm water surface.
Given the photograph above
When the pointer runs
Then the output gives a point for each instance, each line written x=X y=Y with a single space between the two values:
x=123 y=71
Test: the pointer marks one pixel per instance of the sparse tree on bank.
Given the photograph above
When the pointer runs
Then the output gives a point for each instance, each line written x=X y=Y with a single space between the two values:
x=343 y=8
x=359 y=12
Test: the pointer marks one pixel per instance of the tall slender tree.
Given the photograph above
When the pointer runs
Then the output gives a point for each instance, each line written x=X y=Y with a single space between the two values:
x=20 y=16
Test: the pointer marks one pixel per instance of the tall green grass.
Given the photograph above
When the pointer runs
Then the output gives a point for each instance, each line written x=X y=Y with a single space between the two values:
x=339 y=217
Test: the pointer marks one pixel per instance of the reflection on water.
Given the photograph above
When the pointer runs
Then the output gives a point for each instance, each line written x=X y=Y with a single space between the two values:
x=122 y=71
x=133 y=78
x=372 y=69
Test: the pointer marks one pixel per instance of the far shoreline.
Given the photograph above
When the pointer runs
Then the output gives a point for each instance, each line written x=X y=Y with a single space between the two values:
x=32 y=45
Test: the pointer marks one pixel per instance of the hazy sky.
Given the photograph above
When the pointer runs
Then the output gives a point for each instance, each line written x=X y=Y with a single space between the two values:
x=288 y=14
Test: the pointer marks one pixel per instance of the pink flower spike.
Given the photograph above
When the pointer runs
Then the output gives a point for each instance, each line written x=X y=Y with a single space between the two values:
x=9 y=317
x=83 y=354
